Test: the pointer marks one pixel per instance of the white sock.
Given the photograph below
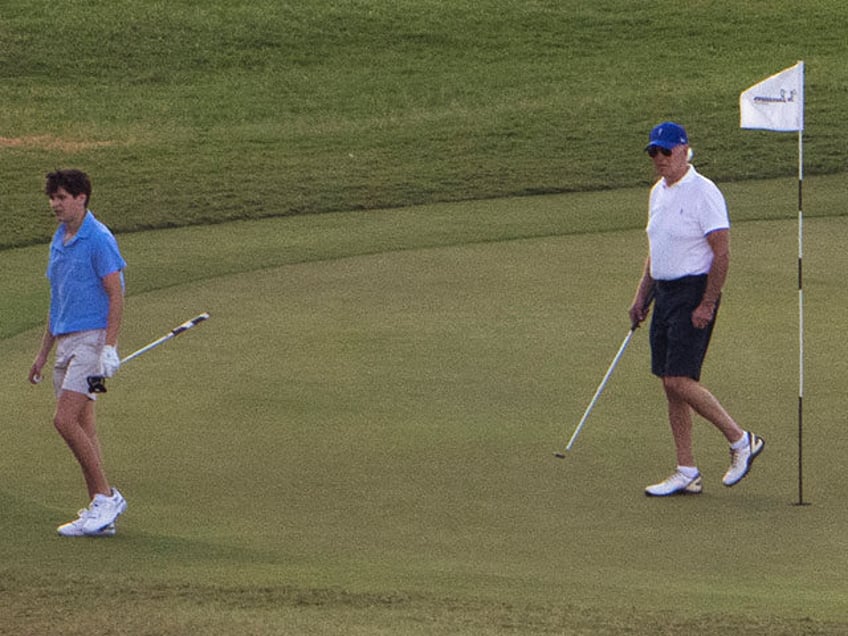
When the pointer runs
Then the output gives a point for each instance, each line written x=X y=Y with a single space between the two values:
x=740 y=443
x=689 y=471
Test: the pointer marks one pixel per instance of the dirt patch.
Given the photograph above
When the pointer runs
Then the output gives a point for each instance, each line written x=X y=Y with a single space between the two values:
x=48 y=142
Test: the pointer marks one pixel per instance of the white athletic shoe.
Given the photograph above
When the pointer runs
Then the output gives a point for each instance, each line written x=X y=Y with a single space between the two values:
x=74 y=528
x=677 y=484
x=102 y=512
x=98 y=520
x=740 y=460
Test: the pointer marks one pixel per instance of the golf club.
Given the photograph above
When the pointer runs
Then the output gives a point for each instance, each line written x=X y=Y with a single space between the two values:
x=97 y=383
x=633 y=327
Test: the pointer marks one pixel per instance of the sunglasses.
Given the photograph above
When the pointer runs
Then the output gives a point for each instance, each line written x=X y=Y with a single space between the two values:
x=653 y=151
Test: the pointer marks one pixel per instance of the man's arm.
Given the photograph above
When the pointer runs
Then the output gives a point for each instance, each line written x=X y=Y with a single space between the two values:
x=110 y=362
x=47 y=341
x=115 y=292
x=640 y=307
x=720 y=244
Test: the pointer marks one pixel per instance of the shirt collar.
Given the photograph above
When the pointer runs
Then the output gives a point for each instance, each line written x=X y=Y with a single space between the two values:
x=85 y=228
x=690 y=174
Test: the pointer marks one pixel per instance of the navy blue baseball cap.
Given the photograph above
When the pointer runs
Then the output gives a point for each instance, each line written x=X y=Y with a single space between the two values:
x=667 y=135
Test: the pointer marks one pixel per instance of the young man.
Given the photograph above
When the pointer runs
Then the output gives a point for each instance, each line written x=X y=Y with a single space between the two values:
x=689 y=255
x=85 y=270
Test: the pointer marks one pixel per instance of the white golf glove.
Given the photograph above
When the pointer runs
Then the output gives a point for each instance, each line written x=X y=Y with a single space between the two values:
x=109 y=361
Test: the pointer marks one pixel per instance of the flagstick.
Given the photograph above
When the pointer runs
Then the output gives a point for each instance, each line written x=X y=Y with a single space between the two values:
x=800 y=321
x=777 y=103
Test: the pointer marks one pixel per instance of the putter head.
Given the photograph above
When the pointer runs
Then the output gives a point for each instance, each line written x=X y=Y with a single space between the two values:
x=96 y=384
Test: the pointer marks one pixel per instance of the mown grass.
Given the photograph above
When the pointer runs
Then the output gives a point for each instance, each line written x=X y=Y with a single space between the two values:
x=191 y=114
x=360 y=440
x=180 y=258
x=361 y=443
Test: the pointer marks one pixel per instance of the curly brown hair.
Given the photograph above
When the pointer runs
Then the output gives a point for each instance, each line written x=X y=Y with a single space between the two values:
x=75 y=182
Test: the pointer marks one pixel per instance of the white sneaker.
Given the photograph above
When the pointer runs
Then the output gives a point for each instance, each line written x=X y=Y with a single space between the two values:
x=677 y=484
x=102 y=512
x=74 y=528
x=740 y=460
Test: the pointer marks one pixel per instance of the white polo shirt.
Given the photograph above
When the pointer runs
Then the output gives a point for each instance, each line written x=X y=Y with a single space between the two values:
x=680 y=218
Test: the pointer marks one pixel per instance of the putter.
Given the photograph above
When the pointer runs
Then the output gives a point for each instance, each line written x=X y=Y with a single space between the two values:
x=97 y=383
x=633 y=327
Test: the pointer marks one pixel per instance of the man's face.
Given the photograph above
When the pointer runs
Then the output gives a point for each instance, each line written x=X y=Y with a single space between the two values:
x=671 y=164
x=66 y=207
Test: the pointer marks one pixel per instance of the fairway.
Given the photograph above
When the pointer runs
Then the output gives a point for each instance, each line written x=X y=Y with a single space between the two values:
x=363 y=444
x=417 y=227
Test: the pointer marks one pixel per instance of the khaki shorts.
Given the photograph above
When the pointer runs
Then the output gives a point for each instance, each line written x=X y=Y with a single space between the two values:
x=77 y=357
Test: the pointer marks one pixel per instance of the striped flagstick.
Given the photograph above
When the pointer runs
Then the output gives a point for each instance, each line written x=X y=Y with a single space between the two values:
x=800 y=501
x=777 y=103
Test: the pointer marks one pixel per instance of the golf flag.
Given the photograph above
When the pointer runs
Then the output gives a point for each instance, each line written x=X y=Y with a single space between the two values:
x=776 y=103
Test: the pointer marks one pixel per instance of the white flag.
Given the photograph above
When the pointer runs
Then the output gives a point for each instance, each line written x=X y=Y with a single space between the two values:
x=776 y=103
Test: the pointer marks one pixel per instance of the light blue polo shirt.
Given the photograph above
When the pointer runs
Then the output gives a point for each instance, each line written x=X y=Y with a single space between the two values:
x=78 y=301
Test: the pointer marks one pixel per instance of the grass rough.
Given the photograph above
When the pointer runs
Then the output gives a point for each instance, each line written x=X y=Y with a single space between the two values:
x=190 y=115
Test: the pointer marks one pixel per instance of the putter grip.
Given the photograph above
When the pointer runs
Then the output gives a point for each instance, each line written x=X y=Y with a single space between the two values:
x=188 y=324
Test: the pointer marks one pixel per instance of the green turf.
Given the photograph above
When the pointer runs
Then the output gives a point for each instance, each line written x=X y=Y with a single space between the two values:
x=187 y=112
x=362 y=442
x=361 y=439
x=183 y=256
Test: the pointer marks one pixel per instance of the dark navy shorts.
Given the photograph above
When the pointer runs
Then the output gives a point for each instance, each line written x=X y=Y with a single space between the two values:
x=678 y=348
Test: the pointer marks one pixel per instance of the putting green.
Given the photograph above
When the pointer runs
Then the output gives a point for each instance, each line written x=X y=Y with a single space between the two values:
x=384 y=424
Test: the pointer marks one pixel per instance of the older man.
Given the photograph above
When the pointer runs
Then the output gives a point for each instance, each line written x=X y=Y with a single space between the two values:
x=688 y=259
